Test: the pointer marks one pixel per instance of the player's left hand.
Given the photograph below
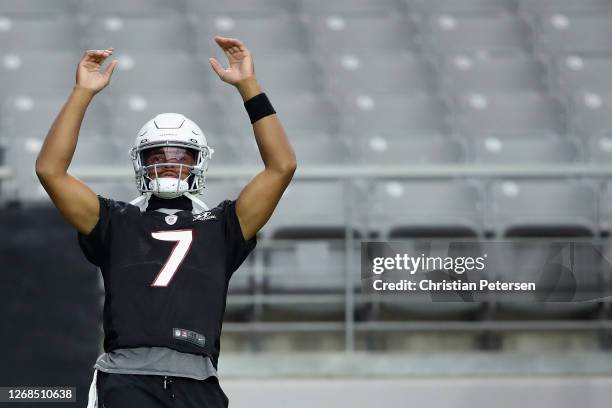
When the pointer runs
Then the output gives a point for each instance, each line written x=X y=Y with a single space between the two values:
x=241 y=66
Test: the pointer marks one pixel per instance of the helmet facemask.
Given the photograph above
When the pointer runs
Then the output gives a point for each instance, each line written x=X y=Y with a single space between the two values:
x=170 y=168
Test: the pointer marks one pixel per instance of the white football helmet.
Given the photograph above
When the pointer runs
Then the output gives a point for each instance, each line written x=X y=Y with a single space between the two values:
x=170 y=130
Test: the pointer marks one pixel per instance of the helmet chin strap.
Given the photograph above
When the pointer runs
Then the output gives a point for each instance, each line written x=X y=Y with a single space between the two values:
x=198 y=205
x=142 y=201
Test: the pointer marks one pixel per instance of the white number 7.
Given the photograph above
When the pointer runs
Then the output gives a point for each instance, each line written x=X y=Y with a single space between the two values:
x=183 y=240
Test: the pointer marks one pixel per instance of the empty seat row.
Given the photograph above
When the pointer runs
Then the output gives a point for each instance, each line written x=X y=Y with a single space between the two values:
x=508 y=208
x=365 y=72
x=368 y=7
x=318 y=117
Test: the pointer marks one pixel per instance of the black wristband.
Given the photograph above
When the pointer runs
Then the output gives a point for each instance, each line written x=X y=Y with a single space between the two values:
x=258 y=107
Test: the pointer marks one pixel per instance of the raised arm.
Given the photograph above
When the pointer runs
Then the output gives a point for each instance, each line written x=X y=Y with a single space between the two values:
x=260 y=196
x=77 y=203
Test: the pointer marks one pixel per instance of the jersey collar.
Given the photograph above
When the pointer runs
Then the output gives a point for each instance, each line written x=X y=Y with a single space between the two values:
x=179 y=203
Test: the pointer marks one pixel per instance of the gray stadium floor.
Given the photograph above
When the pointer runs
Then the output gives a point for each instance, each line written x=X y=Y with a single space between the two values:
x=455 y=393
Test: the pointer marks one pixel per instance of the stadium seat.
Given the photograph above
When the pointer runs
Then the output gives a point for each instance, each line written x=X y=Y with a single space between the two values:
x=561 y=33
x=100 y=152
x=567 y=276
x=302 y=113
x=531 y=7
x=426 y=209
x=37 y=7
x=402 y=115
x=307 y=267
x=372 y=73
x=118 y=190
x=283 y=74
x=453 y=33
x=465 y=73
x=218 y=190
x=32 y=116
x=313 y=209
x=310 y=256
x=348 y=7
x=407 y=151
x=579 y=74
x=154 y=34
x=605 y=209
x=541 y=208
x=599 y=149
x=134 y=7
x=316 y=149
x=431 y=305
x=262 y=35
x=485 y=7
x=20 y=73
x=589 y=114
x=525 y=150
x=332 y=35
x=520 y=113
x=240 y=7
x=146 y=73
x=131 y=112
x=49 y=34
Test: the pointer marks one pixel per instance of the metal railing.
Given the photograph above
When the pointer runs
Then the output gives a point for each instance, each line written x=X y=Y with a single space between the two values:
x=347 y=175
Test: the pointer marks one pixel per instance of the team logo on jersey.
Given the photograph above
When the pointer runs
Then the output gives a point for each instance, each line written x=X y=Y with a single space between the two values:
x=190 y=336
x=171 y=219
x=203 y=216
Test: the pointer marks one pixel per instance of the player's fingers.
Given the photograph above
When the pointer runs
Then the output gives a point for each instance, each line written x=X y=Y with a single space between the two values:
x=110 y=69
x=230 y=42
x=216 y=67
x=96 y=56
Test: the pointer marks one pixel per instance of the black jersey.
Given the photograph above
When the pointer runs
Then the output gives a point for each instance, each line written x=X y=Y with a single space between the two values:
x=165 y=276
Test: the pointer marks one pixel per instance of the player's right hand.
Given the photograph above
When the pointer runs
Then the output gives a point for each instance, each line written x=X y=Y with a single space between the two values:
x=88 y=74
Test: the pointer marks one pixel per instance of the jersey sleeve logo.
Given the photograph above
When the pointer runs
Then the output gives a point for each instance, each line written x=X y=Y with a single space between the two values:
x=203 y=216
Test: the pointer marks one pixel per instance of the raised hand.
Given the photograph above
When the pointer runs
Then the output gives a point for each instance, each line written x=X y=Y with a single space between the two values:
x=88 y=74
x=241 y=66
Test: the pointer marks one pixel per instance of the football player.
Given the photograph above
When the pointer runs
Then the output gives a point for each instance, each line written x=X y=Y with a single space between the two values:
x=166 y=258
